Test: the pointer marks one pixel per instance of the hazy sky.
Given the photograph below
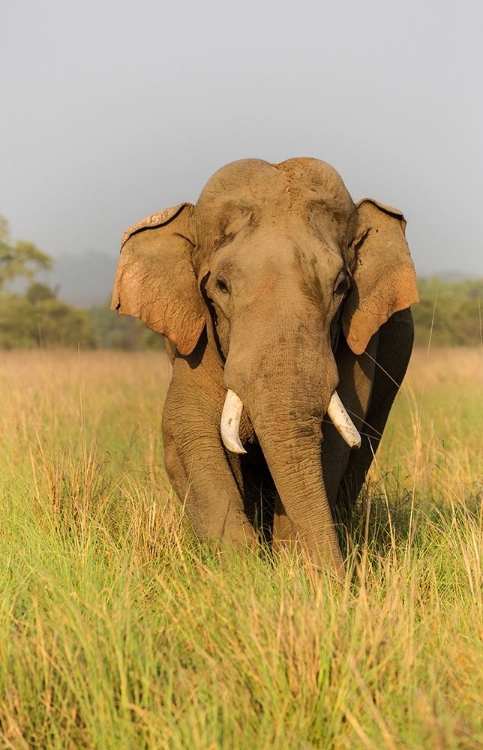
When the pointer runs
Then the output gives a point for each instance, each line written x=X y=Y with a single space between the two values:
x=112 y=110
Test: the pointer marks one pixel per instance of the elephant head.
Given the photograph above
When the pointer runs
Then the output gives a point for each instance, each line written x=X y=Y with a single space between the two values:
x=276 y=262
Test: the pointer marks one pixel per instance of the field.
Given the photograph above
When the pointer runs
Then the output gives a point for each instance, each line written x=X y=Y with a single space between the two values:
x=119 y=630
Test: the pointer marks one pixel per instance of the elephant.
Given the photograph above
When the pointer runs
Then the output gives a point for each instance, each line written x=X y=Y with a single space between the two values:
x=285 y=308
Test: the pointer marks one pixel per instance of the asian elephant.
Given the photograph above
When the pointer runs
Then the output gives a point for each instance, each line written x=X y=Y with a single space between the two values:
x=273 y=291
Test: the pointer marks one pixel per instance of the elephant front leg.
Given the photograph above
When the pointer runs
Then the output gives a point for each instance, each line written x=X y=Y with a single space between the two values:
x=394 y=351
x=198 y=469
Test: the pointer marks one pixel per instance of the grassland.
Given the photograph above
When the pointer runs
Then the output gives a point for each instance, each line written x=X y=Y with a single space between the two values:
x=119 y=630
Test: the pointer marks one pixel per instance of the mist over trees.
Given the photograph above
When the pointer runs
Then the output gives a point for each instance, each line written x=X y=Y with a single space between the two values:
x=35 y=318
x=32 y=315
x=19 y=258
x=450 y=312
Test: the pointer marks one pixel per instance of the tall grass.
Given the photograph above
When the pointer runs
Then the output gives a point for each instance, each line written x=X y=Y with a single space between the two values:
x=118 y=629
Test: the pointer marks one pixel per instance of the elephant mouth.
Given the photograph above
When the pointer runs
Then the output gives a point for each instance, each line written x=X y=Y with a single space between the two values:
x=232 y=412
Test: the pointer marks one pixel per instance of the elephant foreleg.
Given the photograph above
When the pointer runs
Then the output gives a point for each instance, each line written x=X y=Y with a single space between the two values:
x=393 y=354
x=200 y=473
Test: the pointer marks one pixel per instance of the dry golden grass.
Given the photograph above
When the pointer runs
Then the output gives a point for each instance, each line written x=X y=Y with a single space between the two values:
x=434 y=434
x=118 y=629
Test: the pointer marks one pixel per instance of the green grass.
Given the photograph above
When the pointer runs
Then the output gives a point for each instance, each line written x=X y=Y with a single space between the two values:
x=118 y=629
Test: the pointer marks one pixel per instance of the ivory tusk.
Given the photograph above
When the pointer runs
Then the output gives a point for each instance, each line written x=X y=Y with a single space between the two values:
x=342 y=422
x=230 y=423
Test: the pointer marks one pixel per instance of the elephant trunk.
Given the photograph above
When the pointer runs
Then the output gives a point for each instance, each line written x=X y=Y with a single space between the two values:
x=286 y=413
x=292 y=449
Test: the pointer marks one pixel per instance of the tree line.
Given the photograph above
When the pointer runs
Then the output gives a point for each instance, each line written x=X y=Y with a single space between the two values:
x=449 y=314
x=36 y=317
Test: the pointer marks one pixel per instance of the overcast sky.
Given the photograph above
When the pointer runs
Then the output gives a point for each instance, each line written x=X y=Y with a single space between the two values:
x=112 y=110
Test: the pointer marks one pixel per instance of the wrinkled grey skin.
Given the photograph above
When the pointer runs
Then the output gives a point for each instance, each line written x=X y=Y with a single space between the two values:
x=277 y=286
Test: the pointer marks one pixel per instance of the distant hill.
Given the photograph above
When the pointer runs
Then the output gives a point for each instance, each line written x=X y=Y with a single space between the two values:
x=83 y=280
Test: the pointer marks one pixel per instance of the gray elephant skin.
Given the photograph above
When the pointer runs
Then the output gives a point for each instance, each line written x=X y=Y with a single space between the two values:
x=275 y=288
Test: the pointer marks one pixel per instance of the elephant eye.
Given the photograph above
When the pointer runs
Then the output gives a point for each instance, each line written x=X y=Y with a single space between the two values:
x=222 y=286
x=341 y=285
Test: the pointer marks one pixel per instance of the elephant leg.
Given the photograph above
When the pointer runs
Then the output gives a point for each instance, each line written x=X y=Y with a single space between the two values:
x=197 y=465
x=393 y=354
x=205 y=483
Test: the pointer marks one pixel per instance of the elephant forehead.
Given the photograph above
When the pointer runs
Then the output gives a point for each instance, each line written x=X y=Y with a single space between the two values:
x=246 y=181
x=313 y=173
x=317 y=180
x=288 y=186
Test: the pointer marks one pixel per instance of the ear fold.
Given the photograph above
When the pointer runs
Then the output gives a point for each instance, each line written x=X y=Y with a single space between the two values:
x=155 y=280
x=384 y=279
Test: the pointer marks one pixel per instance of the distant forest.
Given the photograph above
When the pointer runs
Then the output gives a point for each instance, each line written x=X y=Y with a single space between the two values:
x=450 y=313
x=34 y=313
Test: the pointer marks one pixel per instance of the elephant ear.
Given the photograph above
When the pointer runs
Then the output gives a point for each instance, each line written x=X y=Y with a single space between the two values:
x=155 y=280
x=384 y=279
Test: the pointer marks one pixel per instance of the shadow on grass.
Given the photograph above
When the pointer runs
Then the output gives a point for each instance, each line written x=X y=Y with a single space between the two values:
x=384 y=521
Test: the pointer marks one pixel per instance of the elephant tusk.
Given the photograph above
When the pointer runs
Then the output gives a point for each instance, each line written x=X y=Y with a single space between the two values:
x=342 y=422
x=230 y=423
